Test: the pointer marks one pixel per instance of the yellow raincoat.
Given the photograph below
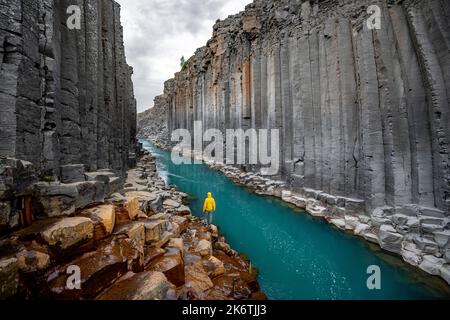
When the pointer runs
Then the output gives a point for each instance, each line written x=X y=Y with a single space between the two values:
x=210 y=203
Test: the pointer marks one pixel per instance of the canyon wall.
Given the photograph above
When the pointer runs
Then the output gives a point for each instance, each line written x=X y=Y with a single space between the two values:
x=66 y=96
x=363 y=114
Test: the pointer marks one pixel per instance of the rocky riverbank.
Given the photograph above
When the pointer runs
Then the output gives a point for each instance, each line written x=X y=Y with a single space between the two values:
x=141 y=242
x=419 y=236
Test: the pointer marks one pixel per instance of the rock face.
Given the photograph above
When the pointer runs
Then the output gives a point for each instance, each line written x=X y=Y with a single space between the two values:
x=363 y=113
x=66 y=97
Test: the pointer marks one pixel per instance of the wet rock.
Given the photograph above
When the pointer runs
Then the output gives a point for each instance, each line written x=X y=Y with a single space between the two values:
x=154 y=230
x=132 y=206
x=315 y=208
x=204 y=248
x=69 y=232
x=134 y=231
x=30 y=261
x=151 y=254
x=214 y=267
x=172 y=265
x=197 y=280
x=151 y=203
x=9 y=277
x=340 y=223
x=104 y=218
x=214 y=231
x=142 y=286
x=222 y=246
x=177 y=243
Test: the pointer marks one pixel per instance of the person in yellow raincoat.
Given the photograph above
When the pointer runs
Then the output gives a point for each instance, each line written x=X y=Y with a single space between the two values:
x=208 y=208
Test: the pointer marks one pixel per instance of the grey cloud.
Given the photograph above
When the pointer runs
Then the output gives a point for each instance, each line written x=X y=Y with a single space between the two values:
x=158 y=32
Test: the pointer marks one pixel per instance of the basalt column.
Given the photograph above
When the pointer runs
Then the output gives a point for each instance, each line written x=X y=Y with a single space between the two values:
x=363 y=113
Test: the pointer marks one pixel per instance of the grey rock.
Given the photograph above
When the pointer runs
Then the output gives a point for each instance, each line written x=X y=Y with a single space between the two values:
x=72 y=173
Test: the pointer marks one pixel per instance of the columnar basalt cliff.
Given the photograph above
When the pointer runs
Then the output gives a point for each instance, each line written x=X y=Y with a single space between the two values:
x=66 y=101
x=363 y=113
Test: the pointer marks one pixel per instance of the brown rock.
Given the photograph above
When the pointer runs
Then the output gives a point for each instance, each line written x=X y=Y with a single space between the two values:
x=197 y=280
x=143 y=286
x=204 y=248
x=69 y=232
x=104 y=218
x=172 y=265
x=9 y=277
x=132 y=206
x=214 y=267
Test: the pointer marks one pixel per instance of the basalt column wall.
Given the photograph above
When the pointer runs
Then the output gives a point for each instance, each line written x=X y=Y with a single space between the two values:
x=66 y=96
x=363 y=113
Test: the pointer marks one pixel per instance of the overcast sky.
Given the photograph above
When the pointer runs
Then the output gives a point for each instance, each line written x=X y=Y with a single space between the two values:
x=159 y=32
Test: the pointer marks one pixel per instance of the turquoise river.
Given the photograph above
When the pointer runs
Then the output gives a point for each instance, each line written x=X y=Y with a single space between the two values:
x=297 y=256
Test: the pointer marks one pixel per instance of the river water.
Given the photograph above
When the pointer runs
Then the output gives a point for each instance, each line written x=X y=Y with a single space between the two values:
x=298 y=256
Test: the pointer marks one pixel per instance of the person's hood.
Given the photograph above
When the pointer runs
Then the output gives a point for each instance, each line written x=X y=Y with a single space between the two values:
x=209 y=195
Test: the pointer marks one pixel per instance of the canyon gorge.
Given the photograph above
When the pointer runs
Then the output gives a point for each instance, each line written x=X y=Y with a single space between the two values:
x=363 y=113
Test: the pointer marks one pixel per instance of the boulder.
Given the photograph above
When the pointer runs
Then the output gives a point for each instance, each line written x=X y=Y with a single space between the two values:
x=214 y=267
x=143 y=286
x=411 y=253
x=151 y=254
x=315 y=208
x=115 y=185
x=442 y=238
x=222 y=246
x=340 y=223
x=172 y=265
x=56 y=199
x=431 y=265
x=150 y=202
x=426 y=245
x=99 y=176
x=9 y=278
x=72 y=173
x=197 y=280
x=204 y=248
x=183 y=210
x=132 y=206
x=154 y=230
x=99 y=270
x=69 y=232
x=134 y=231
x=171 y=204
x=30 y=261
x=390 y=239
x=177 y=243
x=104 y=218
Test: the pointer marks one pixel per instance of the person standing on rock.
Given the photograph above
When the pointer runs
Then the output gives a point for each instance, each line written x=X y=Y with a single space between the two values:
x=209 y=207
